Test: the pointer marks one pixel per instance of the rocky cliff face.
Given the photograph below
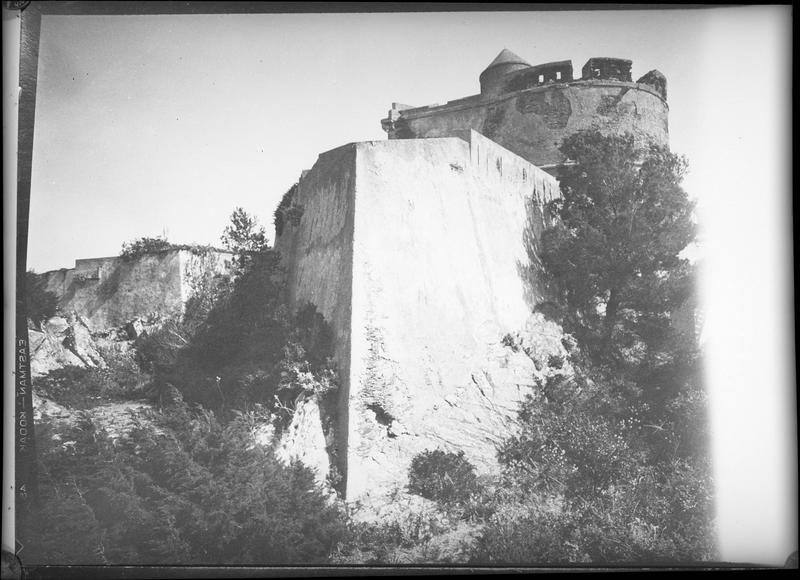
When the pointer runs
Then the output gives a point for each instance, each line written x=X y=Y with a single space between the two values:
x=67 y=341
x=63 y=341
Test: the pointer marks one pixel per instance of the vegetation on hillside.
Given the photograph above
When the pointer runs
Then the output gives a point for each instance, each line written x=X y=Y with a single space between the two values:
x=444 y=477
x=142 y=246
x=244 y=237
x=85 y=387
x=181 y=488
x=609 y=465
x=40 y=303
x=190 y=485
x=611 y=462
x=288 y=210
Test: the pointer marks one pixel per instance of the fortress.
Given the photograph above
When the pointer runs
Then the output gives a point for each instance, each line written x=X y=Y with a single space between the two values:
x=413 y=250
x=530 y=109
x=420 y=251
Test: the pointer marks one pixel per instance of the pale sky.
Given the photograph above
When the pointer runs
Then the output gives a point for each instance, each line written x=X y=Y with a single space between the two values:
x=147 y=124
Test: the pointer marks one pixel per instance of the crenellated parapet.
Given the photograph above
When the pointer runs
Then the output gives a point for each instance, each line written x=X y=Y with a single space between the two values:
x=529 y=109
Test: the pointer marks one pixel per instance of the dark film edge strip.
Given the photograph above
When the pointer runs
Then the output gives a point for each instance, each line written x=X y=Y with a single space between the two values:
x=26 y=488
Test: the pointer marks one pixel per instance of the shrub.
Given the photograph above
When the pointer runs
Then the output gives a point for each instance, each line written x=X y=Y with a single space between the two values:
x=257 y=349
x=398 y=540
x=441 y=476
x=541 y=539
x=288 y=210
x=83 y=388
x=179 y=489
x=646 y=532
x=40 y=304
x=624 y=498
x=141 y=246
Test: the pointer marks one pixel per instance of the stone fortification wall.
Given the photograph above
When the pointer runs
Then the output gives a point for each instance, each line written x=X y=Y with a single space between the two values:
x=109 y=292
x=317 y=253
x=318 y=256
x=438 y=281
x=530 y=113
x=413 y=249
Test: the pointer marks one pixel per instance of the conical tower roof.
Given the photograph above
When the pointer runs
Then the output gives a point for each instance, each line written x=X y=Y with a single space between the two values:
x=507 y=57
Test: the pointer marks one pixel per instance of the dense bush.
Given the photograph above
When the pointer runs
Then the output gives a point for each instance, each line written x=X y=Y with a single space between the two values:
x=661 y=517
x=406 y=540
x=40 y=304
x=248 y=323
x=190 y=485
x=83 y=388
x=445 y=477
x=184 y=489
x=288 y=210
x=249 y=349
x=618 y=442
x=142 y=246
x=623 y=497
x=237 y=344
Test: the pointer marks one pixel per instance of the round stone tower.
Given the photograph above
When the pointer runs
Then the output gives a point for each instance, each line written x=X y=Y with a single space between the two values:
x=504 y=64
x=531 y=109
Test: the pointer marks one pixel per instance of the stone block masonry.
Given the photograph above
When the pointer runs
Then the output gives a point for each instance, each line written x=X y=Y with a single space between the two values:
x=413 y=250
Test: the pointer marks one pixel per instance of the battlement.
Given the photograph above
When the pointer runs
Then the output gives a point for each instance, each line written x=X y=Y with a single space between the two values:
x=617 y=69
x=503 y=78
x=551 y=72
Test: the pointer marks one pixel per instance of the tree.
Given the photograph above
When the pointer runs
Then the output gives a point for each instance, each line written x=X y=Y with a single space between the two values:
x=619 y=439
x=244 y=236
x=40 y=303
x=614 y=250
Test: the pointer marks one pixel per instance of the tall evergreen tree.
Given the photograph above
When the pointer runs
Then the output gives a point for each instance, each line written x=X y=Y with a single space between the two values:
x=244 y=236
x=615 y=249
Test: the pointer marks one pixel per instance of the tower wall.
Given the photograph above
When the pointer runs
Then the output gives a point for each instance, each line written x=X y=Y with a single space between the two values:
x=318 y=256
x=318 y=252
x=533 y=122
x=414 y=250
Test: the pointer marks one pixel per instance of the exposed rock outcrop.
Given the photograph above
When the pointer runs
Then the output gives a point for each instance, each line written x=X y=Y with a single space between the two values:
x=304 y=439
x=63 y=341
